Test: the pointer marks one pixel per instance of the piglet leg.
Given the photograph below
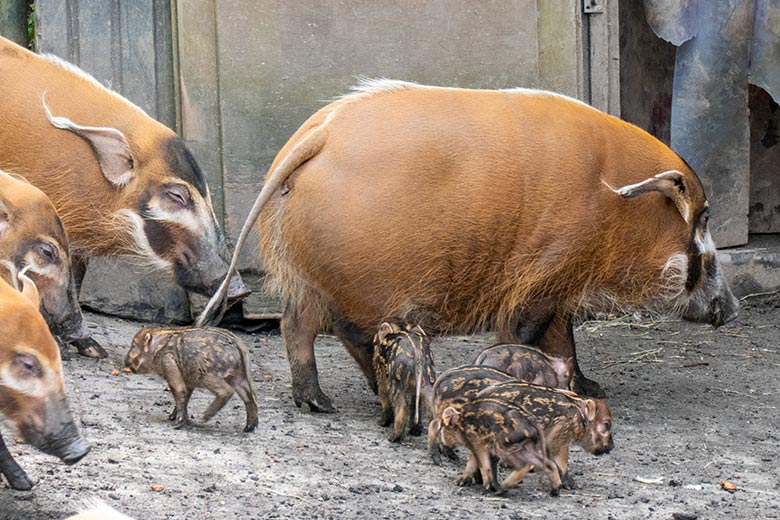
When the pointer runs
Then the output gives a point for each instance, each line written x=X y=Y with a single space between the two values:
x=244 y=391
x=181 y=394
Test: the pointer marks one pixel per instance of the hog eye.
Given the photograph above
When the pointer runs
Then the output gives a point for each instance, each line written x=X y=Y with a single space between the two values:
x=178 y=194
x=607 y=425
x=47 y=251
x=28 y=365
x=704 y=218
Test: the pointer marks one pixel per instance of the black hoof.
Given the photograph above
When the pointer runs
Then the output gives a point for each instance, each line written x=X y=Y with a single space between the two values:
x=317 y=401
x=587 y=387
x=19 y=481
x=90 y=348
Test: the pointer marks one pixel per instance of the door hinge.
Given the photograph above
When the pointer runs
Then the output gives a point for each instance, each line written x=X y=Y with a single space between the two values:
x=593 y=6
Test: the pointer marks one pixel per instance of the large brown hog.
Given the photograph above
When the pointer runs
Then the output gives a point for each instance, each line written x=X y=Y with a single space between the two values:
x=516 y=210
x=31 y=235
x=122 y=183
x=32 y=395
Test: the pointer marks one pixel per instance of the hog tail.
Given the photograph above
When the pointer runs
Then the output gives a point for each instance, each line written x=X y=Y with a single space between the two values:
x=308 y=147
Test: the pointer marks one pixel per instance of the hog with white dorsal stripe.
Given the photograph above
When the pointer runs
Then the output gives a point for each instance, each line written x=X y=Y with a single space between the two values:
x=516 y=210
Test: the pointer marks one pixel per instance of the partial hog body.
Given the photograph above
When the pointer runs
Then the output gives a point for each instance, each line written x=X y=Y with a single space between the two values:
x=405 y=375
x=189 y=358
x=499 y=224
x=494 y=430
x=529 y=364
x=32 y=393
x=122 y=183
x=32 y=236
x=454 y=388
x=564 y=417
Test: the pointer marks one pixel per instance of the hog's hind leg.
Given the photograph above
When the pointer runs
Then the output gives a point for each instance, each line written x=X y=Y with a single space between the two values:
x=300 y=326
x=222 y=393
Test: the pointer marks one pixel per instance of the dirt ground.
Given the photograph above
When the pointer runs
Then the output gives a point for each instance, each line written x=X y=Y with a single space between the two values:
x=692 y=406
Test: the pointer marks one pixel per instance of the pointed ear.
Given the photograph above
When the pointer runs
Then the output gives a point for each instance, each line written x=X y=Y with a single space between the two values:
x=384 y=329
x=419 y=330
x=449 y=416
x=671 y=183
x=109 y=144
x=29 y=289
x=589 y=410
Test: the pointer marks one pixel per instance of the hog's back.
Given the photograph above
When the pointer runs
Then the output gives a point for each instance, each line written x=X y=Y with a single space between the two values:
x=432 y=200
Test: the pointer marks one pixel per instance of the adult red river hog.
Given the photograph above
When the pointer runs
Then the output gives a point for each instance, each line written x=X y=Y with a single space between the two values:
x=122 y=183
x=32 y=395
x=517 y=210
x=32 y=236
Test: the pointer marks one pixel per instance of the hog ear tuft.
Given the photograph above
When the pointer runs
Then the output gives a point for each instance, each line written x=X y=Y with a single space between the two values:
x=109 y=144
x=590 y=410
x=671 y=183
x=449 y=415
x=147 y=339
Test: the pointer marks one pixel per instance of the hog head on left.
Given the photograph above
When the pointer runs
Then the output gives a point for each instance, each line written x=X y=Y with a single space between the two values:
x=32 y=393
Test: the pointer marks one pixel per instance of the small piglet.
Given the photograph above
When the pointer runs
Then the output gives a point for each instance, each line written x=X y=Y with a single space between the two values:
x=403 y=365
x=529 y=364
x=565 y=419
x=496 y=430
x=456 y=387
x=196 y=357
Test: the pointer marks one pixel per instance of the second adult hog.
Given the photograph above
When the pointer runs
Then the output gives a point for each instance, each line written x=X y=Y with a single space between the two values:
x=196 y=357
x=456 y=387
x=403 y=364
x=529 y=364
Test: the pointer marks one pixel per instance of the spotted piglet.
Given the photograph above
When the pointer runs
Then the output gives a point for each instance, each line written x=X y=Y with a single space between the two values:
x=456 y=387
x=496 y=430
x=529 y=364
x=565 y=419
x=196 y=357
x=403 y=365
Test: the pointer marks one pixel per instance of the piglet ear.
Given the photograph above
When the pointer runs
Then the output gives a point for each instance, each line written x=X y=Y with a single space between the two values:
x=589 y=410
x=419 y=330
x=109 y=144
x=384 y=329
x=671 y=183
x=449 y=416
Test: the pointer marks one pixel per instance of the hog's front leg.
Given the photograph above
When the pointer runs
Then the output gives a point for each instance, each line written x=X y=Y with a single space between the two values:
x=181 y=394
x=15 y=475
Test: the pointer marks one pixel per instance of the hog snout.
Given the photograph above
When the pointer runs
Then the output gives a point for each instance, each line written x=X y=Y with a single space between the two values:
x=57 y=435
x=606 y=449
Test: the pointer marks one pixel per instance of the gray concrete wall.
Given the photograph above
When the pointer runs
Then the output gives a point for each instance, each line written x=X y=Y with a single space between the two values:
x=13 y=20
x=280 y=61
